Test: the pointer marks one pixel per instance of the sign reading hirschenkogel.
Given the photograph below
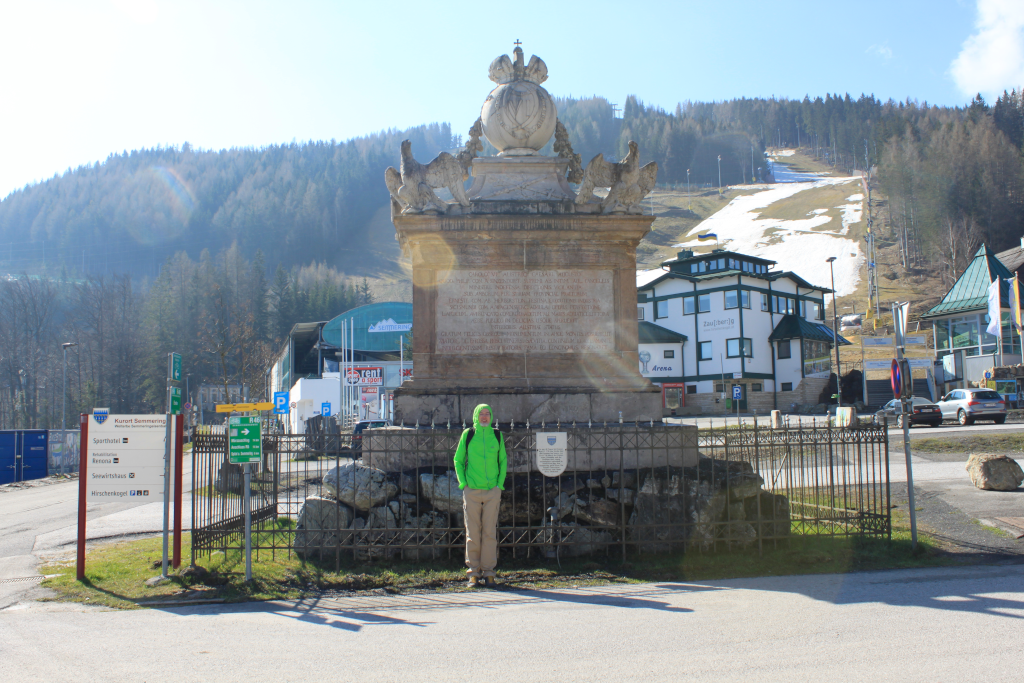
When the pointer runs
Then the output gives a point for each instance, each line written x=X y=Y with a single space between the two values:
x=552 y=453
x=125 y=458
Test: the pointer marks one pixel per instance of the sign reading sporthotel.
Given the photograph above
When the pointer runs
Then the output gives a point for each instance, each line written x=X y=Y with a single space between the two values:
x=525 y=311
x=126 y=457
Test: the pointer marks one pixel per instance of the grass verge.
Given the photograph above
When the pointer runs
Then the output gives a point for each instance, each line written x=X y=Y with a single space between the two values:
x=116 y=574
x=1013 y=443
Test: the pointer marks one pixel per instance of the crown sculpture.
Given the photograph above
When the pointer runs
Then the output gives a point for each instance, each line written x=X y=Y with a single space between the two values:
x=519 y=119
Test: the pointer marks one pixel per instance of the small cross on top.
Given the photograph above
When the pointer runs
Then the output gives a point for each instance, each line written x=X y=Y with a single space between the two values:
x=517 y=43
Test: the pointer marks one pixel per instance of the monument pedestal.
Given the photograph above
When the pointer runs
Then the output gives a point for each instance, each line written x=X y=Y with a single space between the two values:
x=533 y=313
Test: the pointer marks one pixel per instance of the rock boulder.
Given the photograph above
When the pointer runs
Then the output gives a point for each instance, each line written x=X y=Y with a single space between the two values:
x=993 y=472
x=322 y=526
x=359 y=486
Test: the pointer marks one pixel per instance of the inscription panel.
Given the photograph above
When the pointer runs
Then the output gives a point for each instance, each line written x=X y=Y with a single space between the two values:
x=532 y=311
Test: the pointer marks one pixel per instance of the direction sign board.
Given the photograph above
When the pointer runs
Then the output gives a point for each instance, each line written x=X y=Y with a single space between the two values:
x=125 y=458
x=174 y=369
x=175 y=400
x=243 y=407
x=281 y=402
x=245 y=442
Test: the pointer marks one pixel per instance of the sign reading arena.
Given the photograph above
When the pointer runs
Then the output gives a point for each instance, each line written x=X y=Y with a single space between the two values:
x=125 y=458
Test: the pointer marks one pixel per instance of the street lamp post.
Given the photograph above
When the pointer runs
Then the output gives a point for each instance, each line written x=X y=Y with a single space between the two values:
x=835 y=330
x=688 y=190
x=719 y=174
x=64 y=406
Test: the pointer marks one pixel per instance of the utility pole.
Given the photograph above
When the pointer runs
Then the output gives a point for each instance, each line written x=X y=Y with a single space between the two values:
x=719 y=174
x=835 y=331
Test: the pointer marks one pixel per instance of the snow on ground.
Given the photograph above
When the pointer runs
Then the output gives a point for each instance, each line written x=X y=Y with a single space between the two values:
x=783 y=153
x=794 y=245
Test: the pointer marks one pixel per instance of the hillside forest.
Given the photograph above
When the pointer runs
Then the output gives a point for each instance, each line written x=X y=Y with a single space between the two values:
x=216 y=254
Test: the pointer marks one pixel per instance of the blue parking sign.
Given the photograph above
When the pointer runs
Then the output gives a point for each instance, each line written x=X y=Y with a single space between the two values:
x=325 y=408
x=737 y=393
x=280 y=402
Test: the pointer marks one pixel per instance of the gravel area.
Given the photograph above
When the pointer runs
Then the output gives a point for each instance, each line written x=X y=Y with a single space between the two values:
x=36 y=483
x=956 y=532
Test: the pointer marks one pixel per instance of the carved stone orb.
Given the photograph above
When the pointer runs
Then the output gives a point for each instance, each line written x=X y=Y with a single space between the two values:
x=519 y=115
x=518 y=118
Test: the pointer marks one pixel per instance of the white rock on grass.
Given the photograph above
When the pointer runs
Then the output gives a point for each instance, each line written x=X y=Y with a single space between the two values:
x=359 y=486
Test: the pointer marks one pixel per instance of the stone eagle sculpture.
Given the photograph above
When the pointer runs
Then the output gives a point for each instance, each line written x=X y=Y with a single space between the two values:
x=413 y=188
x=628 y=183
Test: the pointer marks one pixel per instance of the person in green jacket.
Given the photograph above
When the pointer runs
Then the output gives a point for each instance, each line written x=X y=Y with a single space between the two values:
x=480 y=465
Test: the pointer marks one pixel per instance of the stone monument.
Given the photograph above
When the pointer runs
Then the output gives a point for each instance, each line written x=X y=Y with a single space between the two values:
x=524 y=291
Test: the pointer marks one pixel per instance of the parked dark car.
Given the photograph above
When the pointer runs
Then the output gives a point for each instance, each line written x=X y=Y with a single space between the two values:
x=361 y=426
x=923 y=411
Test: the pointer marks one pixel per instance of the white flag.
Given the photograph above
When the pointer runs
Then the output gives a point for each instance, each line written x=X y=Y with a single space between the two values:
x=995 y=311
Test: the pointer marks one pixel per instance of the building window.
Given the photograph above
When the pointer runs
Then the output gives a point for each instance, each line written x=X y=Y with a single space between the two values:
x=731 y=299
x=756 y=386
x=660 y=309
x=784 y=350
x=721 y=263
x=704 y=303
x=720 y=388
x=817 y=358
x=704 y=350
x=764 y=302
x=670 y=353
x=703 y=266
x=784 y=305
x=639 y=312
x=691 y=388
x=787 y=386
x=744 y=298
x=687 y=305
x=816 y=311
x=803 y=308
x=734 y=347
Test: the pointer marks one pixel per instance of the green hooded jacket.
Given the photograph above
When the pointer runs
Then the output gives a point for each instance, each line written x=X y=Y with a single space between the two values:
x=484 y=465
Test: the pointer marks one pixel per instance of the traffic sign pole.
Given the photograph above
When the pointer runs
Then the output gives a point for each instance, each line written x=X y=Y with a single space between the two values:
x=901 y=371
x=245 y=446
x=248 y=524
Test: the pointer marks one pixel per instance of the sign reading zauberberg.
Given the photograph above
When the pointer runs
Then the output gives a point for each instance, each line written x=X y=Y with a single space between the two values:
x=125 y=458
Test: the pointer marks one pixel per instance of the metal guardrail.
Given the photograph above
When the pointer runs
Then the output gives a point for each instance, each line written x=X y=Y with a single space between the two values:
x=628 y=489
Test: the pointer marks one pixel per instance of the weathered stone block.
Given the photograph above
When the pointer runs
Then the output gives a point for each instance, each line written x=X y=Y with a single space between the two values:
x=993 y=472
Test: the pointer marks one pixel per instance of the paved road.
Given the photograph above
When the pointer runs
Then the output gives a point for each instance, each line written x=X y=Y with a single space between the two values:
x=41 y=522
x=921 y=625
x=808 y=421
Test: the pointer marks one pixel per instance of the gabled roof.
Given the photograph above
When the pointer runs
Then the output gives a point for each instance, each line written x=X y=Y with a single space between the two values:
x=1013 y=259
x=795 y=327
x=970 y=291
x=649 y=333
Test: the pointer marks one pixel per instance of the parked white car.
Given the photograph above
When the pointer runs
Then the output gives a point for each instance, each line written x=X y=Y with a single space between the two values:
x=967 y=405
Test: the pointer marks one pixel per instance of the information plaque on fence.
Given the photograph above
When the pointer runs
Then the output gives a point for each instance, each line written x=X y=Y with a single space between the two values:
x=245 y=443
x=552 y=456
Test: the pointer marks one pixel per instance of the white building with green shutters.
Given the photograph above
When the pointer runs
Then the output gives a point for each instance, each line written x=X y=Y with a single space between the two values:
x=740 y=327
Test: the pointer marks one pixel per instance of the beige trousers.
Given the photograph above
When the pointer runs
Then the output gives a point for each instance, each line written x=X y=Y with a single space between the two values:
x=480 y=508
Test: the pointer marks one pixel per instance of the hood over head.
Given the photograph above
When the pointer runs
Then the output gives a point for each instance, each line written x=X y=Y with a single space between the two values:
x=476 y=415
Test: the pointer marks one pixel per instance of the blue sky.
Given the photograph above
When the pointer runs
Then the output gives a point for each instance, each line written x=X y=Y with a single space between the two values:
x=84 y=79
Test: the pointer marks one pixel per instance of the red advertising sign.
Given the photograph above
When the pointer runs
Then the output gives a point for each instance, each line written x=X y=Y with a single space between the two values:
x=366 y=376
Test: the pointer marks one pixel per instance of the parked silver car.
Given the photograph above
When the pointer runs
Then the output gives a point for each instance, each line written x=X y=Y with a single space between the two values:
x=967 y=405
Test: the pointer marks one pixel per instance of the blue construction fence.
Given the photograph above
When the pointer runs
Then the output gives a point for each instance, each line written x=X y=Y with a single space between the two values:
x=27 y=454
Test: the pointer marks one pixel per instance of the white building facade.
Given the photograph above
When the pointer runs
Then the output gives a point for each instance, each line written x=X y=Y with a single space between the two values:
x=743 y=330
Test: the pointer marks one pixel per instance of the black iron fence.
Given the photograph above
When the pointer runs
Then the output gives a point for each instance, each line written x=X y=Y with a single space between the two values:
x=626 y=488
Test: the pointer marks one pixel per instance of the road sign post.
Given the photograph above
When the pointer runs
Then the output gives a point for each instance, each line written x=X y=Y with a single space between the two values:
x=902 y=387
x=245 y=446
